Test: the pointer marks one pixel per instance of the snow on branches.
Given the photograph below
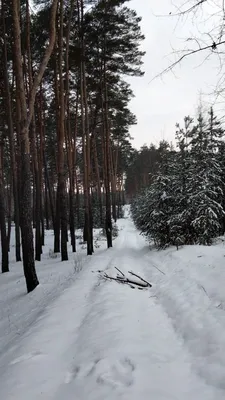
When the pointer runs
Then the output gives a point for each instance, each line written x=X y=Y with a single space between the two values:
x=185 y=203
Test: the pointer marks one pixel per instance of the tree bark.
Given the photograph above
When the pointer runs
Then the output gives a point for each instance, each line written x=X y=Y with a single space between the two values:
x=11 y=141
x=26 y=118
x=4 y=240
x=88 y=229
x=37 y=205
x=108 y=219
x=61 y=142
x=71 y=164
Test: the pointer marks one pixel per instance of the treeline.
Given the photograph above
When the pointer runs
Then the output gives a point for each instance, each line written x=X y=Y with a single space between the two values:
x=142 y=165
x=185 y=202
x=64 y=121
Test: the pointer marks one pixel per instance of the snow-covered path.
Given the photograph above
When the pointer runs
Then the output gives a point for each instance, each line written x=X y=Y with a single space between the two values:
x=100 y=340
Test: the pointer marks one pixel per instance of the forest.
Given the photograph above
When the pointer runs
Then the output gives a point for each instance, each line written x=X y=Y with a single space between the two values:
x=112 y=256
x=64 y=121
x=66 y=155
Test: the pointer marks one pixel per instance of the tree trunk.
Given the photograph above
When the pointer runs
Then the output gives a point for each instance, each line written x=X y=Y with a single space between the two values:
x=4 y=240
x=61 y=142
x=71 y=164
x=11 y=142
x=95 y=154
x=113 y=184
x=57 y=203
x=26 y=118
x=86 y=141
x=108 y=219
x=9 y=213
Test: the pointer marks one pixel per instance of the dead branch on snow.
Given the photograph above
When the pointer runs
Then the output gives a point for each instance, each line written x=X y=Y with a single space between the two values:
x=140 y=283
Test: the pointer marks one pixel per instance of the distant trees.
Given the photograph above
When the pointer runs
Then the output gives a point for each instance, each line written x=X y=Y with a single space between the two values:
x=184 y=204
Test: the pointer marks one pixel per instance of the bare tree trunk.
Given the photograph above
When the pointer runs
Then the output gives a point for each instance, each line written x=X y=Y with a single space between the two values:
x=86 y=142
x=11 y=142
x=50 y=194
x=61 y=141
x=71 y=165
x=95 y=154
x=77 y=199
x=9 y=212
x=40 y=168
x=4 y=241
x=26 y=118
x=108 y=219
x=113 y=184
x=37 y=205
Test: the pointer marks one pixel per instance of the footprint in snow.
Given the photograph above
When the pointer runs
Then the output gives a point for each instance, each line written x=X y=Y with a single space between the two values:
x=79 y=372
x=71 y=375
x=118 y=374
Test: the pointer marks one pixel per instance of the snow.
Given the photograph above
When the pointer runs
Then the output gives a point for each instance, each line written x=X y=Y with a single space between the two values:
x=78 y=336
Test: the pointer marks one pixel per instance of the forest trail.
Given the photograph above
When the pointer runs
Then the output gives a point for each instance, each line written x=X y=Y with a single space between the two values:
x=103 y=340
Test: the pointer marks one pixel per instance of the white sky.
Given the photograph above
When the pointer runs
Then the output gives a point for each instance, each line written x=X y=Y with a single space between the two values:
x=158 y=105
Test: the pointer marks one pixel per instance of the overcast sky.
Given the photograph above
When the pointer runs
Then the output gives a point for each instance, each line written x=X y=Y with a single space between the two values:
x=160 y=104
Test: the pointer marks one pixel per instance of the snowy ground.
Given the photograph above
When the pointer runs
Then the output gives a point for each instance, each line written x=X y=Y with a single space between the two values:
x=80 y=337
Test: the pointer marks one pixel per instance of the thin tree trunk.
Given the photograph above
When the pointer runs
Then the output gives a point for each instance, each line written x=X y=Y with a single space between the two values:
x=71 y=166
x=9 y=212
x=49 y=188
x=11 y=141
x=108 y=219
x=4 y=240
x=61 y=140
x=113 y=183
x=77 y=200
x=86 y=142
x=37 y=197
x=57 y=203
x=95 y=154
x=40 y=167
x=26 y=118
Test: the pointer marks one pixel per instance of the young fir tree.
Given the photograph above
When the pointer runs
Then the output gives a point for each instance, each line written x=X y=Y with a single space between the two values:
x=221 y=161
x=184 y=203
x=180 y=222
x=205 y=186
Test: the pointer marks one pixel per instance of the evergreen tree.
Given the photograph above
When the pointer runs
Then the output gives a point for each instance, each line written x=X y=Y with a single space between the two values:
x=184 y=203
x=205 y=192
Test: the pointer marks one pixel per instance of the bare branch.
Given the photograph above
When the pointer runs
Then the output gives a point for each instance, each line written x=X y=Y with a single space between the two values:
x=139 y=277
x=188 y=10
x=212 y=46
x=120 y=271
x=38 y=77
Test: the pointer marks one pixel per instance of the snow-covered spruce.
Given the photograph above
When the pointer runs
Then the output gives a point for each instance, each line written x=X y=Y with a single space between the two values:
x=184 y=204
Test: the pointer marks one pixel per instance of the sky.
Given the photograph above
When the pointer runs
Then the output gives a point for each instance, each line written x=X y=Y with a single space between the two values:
x=160 y=103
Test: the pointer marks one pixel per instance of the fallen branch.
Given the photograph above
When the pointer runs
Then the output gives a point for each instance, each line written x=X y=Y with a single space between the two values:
x=139 y=277
x=120 y=271
x=127 y=281
x=158 y=269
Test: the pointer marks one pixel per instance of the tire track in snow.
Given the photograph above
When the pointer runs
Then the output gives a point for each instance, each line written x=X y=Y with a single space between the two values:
x=194 y=320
